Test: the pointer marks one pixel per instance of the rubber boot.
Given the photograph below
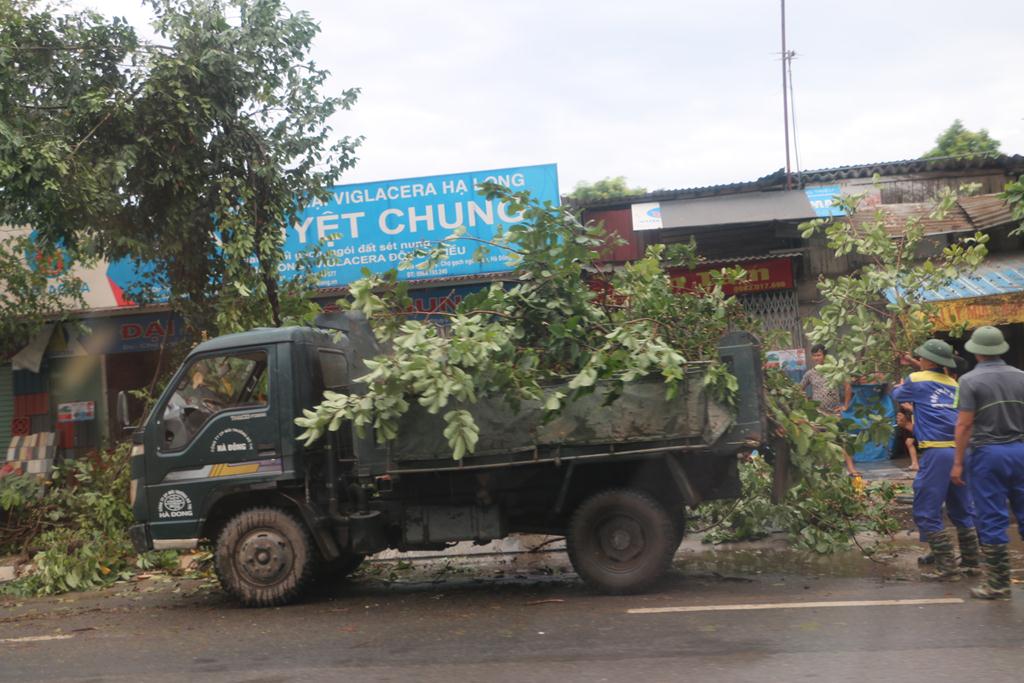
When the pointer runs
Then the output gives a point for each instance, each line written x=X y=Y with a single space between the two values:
x=941 y=543
x=997 y=583
x=970 y=555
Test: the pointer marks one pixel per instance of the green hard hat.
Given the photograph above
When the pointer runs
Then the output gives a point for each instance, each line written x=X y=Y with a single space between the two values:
x=987 y=341
x=937 y=351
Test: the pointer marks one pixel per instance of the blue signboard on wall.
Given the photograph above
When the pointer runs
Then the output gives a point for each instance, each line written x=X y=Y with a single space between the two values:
x=374 y=225
x=821 y=199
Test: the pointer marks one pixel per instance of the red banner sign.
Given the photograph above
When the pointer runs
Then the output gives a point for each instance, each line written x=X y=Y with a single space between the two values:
x=762 y=276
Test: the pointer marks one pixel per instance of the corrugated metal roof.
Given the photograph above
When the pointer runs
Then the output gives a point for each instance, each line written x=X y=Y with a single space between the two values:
x=777 y=179
x=970 y=214
x=986 y=211
x=895 y=217
x=747 y=259
x=997 y=275
x=1005 y=162
x=768 y=182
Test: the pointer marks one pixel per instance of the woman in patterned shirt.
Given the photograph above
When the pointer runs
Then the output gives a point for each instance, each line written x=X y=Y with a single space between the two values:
x=826 y=395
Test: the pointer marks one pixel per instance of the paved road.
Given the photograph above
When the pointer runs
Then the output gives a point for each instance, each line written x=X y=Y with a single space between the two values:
x=538 y=629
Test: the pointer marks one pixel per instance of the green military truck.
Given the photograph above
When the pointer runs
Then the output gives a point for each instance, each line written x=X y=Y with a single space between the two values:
x=217 y=460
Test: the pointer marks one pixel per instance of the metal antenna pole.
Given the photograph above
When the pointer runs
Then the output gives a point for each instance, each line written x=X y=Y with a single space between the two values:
x=785 y=96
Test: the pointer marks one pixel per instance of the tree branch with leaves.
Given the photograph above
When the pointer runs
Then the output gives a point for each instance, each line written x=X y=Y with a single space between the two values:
x=551 y=326
x=882 y=309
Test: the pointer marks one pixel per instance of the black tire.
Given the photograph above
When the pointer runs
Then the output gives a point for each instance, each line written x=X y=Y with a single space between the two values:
x=621 y=541
x=677 y=513
x=340 y=567
x=265 y=557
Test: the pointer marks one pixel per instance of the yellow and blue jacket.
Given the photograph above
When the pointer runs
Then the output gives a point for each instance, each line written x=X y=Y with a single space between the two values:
x=934 y=397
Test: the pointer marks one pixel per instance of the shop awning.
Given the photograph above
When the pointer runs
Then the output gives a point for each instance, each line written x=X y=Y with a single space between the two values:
x=991 y=295
x=753 y=207
x=995 y=276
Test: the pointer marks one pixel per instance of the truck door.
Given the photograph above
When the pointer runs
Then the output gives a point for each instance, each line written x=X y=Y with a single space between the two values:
x=219 y=424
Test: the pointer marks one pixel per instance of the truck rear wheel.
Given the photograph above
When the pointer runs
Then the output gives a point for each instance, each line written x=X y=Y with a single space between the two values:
x=264 y=557
x=621 y=541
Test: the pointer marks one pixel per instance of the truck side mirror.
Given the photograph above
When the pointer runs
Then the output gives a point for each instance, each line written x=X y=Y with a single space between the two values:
x=123 y=417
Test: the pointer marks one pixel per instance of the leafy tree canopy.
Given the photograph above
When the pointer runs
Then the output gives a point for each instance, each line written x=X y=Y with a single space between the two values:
x=608 y=188
x=189 y=155
x=958 y=141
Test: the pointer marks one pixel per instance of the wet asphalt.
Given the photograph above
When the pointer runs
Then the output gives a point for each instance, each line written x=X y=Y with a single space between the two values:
x=445 y=621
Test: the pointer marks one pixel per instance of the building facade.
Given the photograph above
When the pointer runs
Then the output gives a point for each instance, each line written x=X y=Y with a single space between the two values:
x=66 y=382
x=755 y=225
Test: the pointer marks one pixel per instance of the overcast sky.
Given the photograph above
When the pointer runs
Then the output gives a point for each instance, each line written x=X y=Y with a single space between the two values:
x=670 y=94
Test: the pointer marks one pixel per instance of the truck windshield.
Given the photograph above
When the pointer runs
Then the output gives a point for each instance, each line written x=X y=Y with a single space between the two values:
x=208 y=386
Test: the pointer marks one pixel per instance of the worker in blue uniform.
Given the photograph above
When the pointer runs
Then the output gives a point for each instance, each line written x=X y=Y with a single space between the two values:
x=991 y=423
x=933 y=395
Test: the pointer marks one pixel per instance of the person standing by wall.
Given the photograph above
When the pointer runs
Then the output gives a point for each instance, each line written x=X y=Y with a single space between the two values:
x=933 y=395
x=826 y=395
x=991 y=422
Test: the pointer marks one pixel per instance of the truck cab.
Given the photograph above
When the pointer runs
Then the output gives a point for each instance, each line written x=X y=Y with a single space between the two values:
x=224 y=427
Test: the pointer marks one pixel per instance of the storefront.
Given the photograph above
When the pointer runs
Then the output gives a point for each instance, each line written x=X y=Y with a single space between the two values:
x=741 y=225
x=66 y=381
x=991 y=295
x=768 y=292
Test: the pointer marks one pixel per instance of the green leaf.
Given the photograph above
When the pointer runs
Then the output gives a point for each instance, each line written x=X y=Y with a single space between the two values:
x=585 y=378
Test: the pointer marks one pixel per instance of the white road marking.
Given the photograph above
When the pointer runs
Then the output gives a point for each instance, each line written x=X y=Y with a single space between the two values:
x=32 y=639
x=797 y=605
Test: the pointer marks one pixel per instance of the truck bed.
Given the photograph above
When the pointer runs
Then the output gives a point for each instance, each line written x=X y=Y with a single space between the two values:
x=640 y=416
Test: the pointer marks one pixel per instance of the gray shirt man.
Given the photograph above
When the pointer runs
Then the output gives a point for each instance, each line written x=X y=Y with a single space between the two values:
x=995 y=392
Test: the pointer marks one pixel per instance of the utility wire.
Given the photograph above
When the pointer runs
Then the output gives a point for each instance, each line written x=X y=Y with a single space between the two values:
x=789 y=56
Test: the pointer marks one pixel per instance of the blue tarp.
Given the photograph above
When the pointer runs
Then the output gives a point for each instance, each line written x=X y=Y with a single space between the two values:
x=870 y=398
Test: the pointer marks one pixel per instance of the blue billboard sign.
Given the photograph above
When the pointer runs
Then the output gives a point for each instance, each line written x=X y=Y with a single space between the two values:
x=821 y=199
x=375 y=225
x=365 y=225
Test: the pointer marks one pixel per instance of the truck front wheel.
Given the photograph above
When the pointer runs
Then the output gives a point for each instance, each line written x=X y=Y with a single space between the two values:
x=621 y=541
x=264 y=557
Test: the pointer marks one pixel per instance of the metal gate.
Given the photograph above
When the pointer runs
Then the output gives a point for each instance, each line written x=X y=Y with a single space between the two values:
x=778 y=310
